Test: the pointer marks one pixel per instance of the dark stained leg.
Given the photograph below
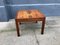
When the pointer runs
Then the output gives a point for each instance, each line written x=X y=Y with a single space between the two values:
x=17 y=27
x=43 y=25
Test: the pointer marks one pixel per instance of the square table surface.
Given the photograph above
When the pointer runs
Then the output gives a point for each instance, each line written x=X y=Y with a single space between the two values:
x=27 y=14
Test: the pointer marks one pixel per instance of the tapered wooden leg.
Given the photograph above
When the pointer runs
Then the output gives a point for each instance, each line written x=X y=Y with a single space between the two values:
x=43 y=25
x=17 y=28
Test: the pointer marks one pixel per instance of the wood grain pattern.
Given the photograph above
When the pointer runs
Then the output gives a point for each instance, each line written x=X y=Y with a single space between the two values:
x=24 y=14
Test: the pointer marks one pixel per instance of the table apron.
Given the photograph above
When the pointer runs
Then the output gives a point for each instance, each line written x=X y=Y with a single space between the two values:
x=29 y=20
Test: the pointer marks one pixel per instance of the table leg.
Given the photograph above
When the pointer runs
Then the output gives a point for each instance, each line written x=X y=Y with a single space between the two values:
x=17 y=27
x=43 y=25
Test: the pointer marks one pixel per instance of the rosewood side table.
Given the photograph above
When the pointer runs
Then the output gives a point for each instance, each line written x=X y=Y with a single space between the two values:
x=29 y=16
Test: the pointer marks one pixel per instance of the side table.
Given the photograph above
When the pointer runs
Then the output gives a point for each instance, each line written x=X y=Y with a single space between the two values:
x=29 y=16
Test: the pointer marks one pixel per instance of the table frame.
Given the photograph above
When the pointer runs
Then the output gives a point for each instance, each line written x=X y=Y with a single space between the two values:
x=18 y=21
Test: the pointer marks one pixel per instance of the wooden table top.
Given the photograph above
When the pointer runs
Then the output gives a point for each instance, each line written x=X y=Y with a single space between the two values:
x=25 y=14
